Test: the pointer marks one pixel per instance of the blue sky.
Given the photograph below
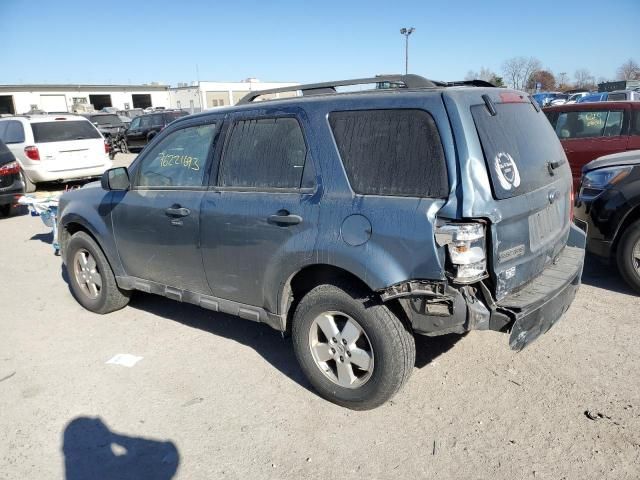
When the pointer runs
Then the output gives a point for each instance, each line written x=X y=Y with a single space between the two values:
x=119 y=41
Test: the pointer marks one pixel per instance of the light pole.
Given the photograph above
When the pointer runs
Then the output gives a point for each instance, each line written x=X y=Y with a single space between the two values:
x=406 y=32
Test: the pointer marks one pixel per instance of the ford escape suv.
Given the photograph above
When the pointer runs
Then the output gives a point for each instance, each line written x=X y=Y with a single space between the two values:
x=351 y=220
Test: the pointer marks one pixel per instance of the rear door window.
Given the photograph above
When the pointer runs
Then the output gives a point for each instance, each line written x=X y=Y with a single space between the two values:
x=635 y=122
x=63 y=130
x=613 y=126
x=264 y=153
x=391 y=152
x=518 y=143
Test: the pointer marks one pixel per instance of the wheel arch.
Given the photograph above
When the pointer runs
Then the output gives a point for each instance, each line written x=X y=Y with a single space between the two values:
x=629 y=219
x=308 y=277
x=74 y=224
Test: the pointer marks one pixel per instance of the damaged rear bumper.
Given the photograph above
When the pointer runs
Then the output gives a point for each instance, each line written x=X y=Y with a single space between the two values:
x=526 y=314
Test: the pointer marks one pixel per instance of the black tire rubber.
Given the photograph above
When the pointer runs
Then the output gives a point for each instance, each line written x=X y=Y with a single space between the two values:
x=5 y=210
x=29 y=186
x=392 y=342
x=111 y=298
x=630 y=237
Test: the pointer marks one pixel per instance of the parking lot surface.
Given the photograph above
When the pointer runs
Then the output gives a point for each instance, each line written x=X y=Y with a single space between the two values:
x=213 y=396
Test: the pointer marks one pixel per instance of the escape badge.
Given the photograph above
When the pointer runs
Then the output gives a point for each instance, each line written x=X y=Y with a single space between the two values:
x=507 y=171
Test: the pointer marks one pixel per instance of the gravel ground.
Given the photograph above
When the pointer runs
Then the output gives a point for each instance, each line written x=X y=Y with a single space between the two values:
x=219 y=397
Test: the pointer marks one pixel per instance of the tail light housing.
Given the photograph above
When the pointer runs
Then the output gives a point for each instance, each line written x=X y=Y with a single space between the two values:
x=11 y=168
x=32 y=152
x=106 y=147
x=466 y=247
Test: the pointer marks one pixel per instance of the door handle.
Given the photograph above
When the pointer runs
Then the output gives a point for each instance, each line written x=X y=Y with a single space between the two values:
x=283 y=217
x=177 y=211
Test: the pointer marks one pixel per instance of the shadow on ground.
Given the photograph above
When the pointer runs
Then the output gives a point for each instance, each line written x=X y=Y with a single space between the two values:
x=269 y=343
x=600 y=274
x=91 y=450
x=43 y=237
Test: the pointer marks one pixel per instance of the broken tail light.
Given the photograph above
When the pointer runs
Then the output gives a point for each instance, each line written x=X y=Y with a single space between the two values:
x=465 y=244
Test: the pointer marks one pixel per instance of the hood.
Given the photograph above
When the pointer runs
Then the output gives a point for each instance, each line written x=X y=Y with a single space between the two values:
x=632 y=157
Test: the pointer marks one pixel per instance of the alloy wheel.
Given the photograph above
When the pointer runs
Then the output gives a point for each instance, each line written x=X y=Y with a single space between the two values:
x=341 y=349
x=86 y=272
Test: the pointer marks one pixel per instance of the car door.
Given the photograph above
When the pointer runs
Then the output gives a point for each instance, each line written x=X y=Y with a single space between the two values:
x=134 y=133
x=157 y=221
x=260 y=217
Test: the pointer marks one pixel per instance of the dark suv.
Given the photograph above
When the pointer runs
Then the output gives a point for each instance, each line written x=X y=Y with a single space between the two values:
x=609 y=202
x=144 y=127
x=351 y=220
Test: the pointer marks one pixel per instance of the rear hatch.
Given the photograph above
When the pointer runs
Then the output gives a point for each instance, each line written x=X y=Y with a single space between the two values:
x=69 y=145
x=531 y=183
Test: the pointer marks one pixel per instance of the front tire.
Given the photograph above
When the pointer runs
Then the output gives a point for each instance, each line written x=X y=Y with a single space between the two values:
x=92 y=281
x=352 y=348
x=629 y=256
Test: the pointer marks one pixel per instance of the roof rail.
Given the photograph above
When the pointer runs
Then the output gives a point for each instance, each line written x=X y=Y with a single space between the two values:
x=470 y=83
x=409 y=81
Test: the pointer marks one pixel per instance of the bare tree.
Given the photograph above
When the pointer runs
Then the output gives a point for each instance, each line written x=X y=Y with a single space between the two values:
x=584 y=79
x=517 y=71
x=629 y=70
x=484 y=74
x=562 y=80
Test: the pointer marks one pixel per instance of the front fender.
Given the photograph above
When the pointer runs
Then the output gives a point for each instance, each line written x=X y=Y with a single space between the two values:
x=90 y=211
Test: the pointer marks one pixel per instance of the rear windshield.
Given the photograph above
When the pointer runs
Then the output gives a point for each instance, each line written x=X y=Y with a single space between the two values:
x=106 y=120
x=63 y=130
x=518 y=143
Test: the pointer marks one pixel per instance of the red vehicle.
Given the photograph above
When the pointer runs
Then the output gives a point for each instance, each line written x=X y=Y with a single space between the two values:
x=590 y=130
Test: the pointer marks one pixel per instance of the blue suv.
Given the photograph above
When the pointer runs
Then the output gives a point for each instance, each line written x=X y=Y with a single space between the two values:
x=352 y=221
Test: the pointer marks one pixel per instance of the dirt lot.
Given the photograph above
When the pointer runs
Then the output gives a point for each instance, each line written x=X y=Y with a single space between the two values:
x=219 y=397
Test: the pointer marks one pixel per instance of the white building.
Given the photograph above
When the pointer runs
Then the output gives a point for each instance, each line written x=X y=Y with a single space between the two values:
x=16 y=99
x=203 y=95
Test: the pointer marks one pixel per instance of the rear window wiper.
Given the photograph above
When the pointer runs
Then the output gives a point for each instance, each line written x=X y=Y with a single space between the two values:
x=553 y=165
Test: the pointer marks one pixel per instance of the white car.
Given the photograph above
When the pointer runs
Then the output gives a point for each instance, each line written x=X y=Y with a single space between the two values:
x=55 y=147
x=572 y=99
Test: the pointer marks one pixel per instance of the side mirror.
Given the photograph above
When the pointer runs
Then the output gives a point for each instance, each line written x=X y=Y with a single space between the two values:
x=116 y=179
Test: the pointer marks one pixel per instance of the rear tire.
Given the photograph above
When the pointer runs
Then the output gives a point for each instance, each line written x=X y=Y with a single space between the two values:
x=29 y=186
x=92 y=281
x=629 y=256
x=377 y=364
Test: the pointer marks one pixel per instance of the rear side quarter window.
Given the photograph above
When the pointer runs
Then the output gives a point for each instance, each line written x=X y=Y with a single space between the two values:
x=391 y=152
x=11 y=131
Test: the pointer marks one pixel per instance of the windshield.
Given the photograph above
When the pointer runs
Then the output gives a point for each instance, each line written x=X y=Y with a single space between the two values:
x=518 y=143
x=106 y=120
x=62 y=131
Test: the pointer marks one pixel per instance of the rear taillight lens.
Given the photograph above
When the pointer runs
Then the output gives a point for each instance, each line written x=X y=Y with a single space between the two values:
x=106 y=147
x=465 y=244
x=11 y=168
x=32 y=153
